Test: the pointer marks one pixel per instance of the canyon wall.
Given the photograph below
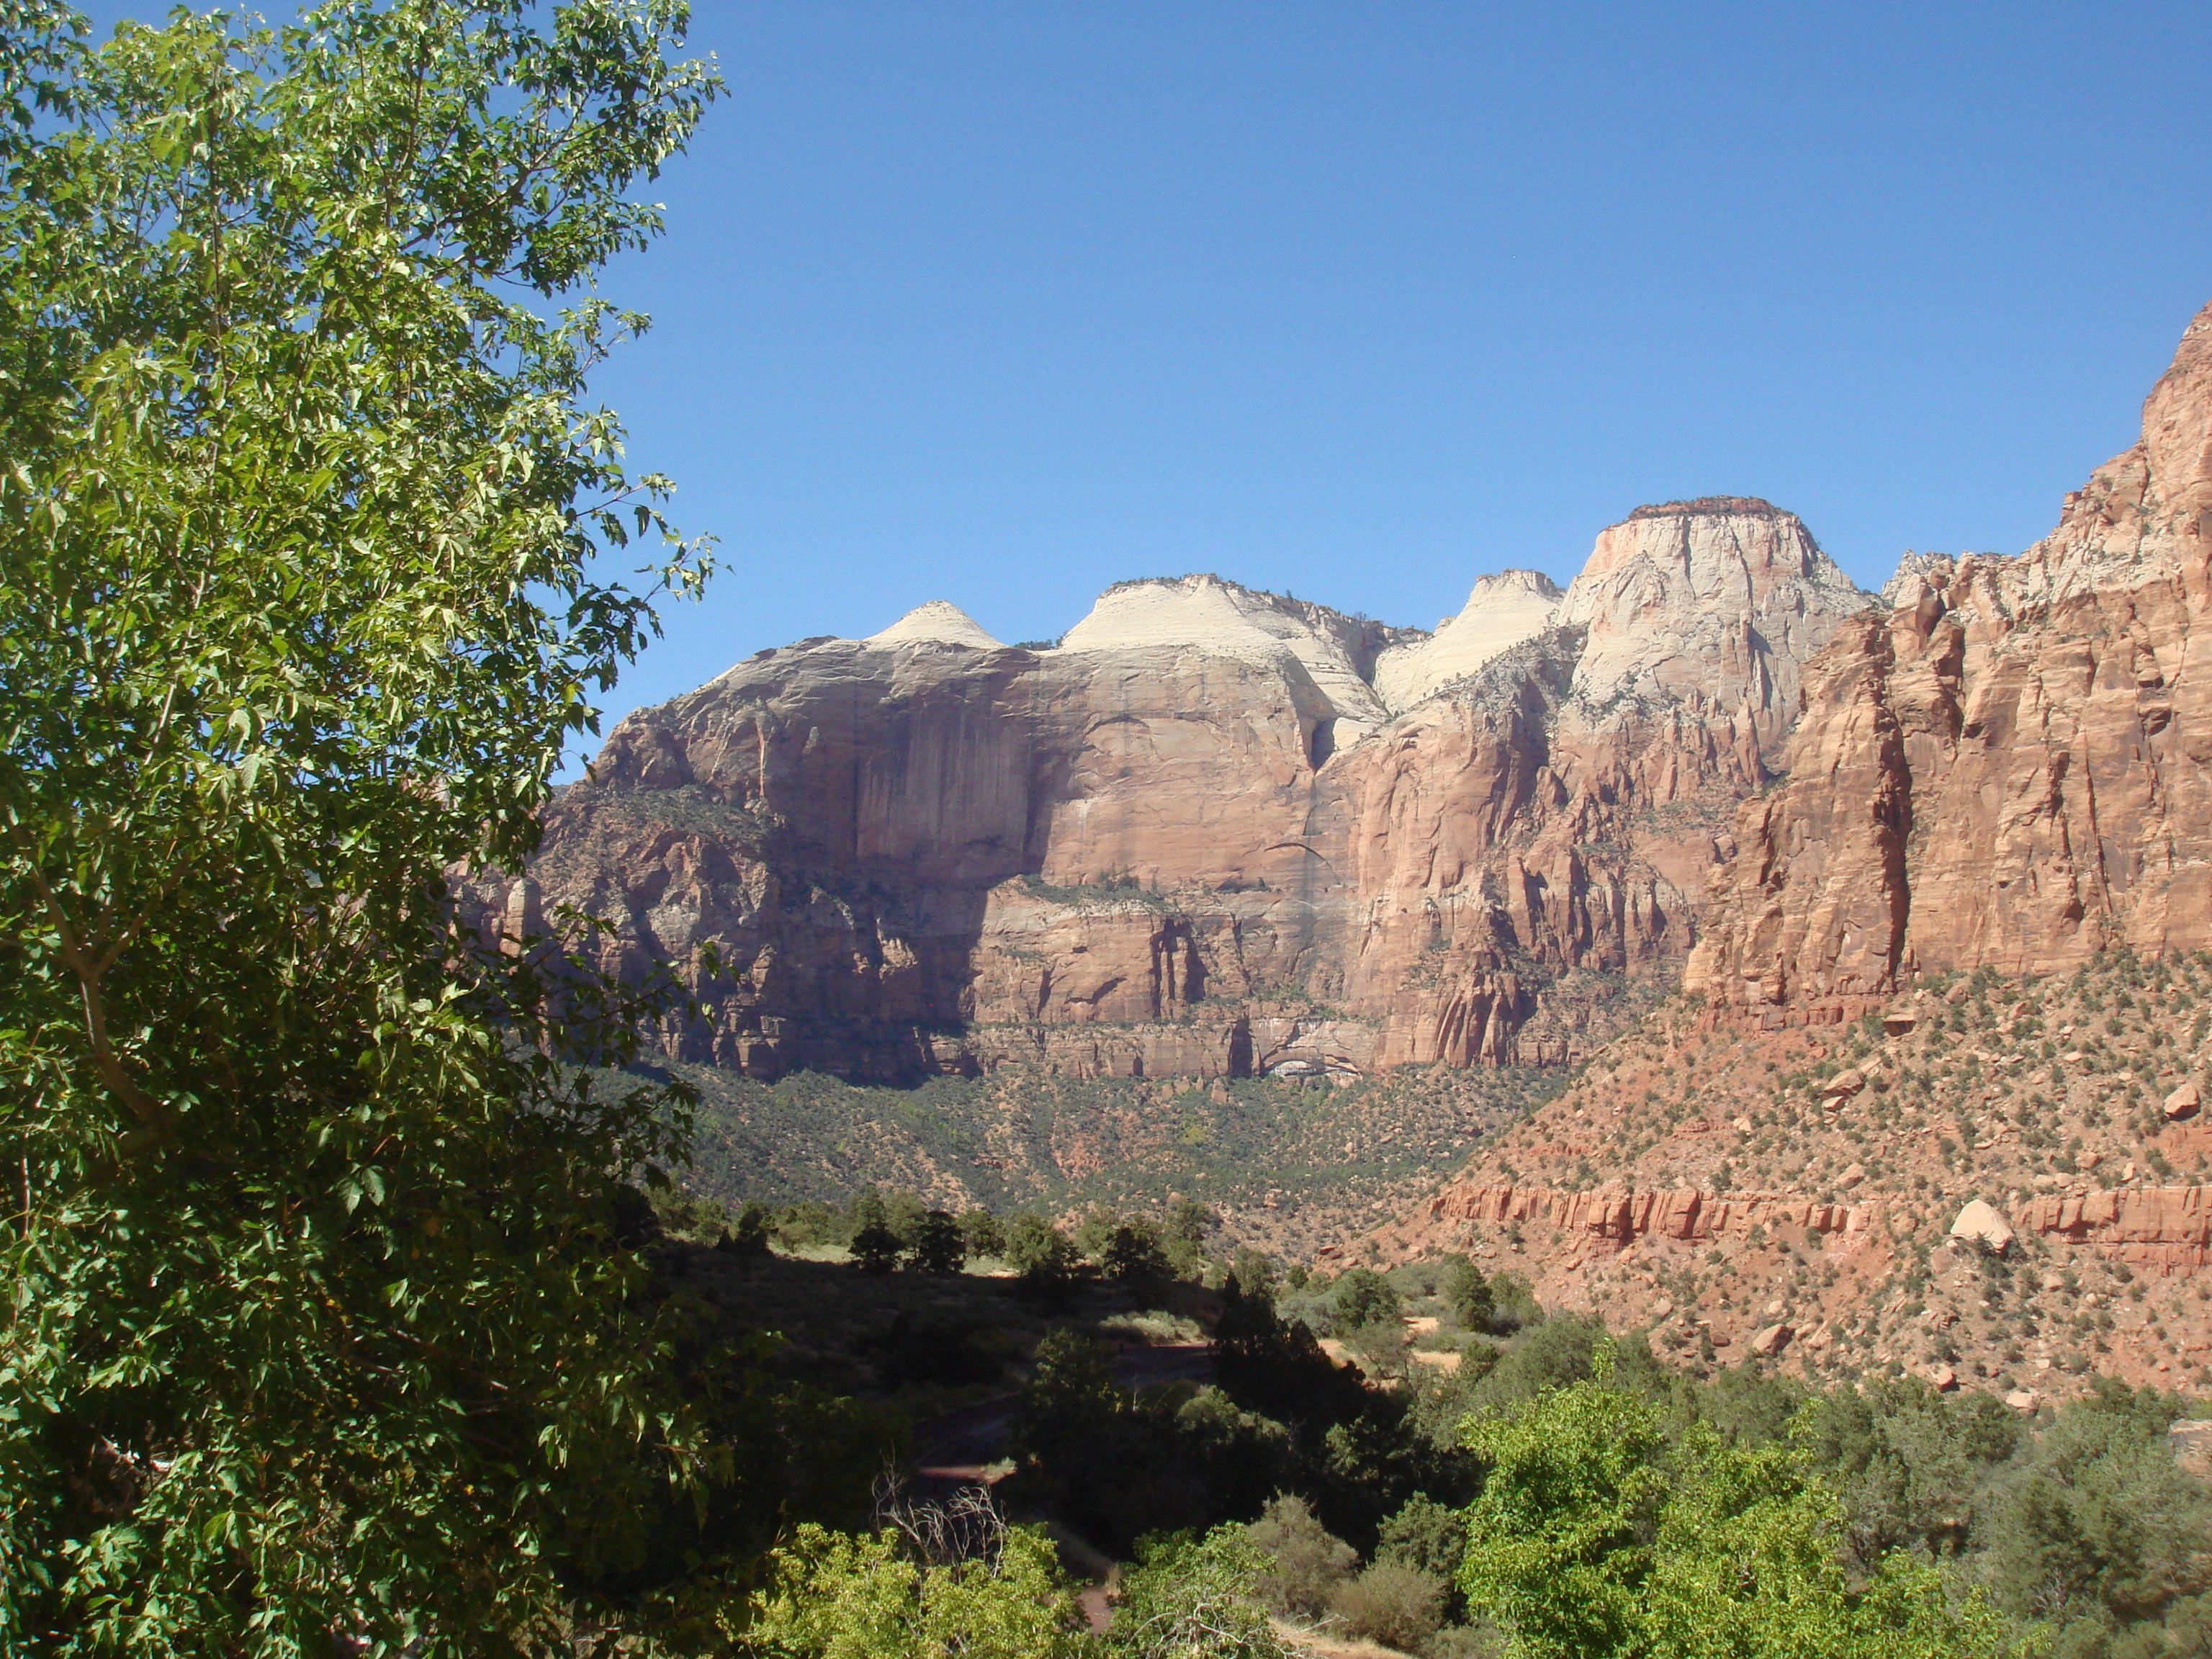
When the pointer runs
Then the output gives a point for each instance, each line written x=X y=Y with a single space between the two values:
x=1211 y=831
x=2009 y=767
x=1991 y=827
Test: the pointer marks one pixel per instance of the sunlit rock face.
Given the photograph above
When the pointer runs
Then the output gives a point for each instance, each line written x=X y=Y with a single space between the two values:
x=1502 y=611
x=1213 y=832
x=2010 y=764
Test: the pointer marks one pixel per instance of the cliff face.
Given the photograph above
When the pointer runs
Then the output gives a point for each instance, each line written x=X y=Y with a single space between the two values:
x=2010 y=768
x=1212 y=832
x=2002 y=776
x=1557 y=814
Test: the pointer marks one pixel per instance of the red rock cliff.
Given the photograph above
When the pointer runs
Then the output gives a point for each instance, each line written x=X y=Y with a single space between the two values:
x=1194 y=837
x=2011 y=767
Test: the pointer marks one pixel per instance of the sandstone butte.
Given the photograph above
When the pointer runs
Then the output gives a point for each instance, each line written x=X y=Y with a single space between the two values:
x=2002 y=772
x=1211 y=832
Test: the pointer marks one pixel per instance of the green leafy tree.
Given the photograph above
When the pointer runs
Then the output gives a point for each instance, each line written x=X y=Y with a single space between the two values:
x=1131 y=1251
x=1182 y=1237
x=840 y=1597
x=326 y=1311
x=1912 y=1466
x=1045 y=1257
x=1189 y=1221
x=2094 y=1525
x=1253 y=1272
x=1095 y=1231
x=1593 y=1535
x=1363 y=1297
x=748 y=1238
x=1027 y=1239
x=1466 y=1292
x=867 y=1209
x=876 y=1248
x=985 y=1237
x=904 y=1213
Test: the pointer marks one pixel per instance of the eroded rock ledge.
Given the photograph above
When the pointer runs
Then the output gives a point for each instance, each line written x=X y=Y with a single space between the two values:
x=2166 y=1229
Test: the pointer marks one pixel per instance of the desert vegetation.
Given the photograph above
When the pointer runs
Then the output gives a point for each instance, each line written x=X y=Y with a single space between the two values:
x=2010 y=1091
x=1356 y=1454
x=1299 y=1162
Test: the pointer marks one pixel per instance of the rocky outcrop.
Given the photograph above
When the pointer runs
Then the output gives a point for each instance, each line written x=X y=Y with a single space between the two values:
x=1212 y=832
x=1980 y=1226
x=938 y=622
x=2167 y=1229
x=1621 y=1216
x=1709 y=605
x=2012 y=768
x=1564 y=806
x=1502 y=611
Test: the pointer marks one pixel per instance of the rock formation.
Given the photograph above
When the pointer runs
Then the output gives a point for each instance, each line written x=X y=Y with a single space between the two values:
x=1502 y=611
x=1213 y=832
x=2012 y=767
x=1984 y=1183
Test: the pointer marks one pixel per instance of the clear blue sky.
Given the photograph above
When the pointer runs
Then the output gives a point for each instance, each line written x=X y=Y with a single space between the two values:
x=1000 y=303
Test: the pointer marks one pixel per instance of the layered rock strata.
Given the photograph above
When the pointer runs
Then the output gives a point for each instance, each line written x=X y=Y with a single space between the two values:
x=1984 y=1182
x=1213 y=832
x=2010 y=768
x=1621 y=1216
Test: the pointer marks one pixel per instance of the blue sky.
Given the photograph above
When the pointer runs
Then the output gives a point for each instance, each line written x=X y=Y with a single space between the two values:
x=1000 y=303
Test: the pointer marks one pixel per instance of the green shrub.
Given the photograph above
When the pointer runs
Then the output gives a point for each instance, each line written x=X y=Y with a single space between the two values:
x=1513 y=1304
x=1363 y=1297
x=1468 y=1295
x=836 y=1595
x=1305 y=1563
x=1394 y=1605
x=1194 y=1598
x=1426 y=1536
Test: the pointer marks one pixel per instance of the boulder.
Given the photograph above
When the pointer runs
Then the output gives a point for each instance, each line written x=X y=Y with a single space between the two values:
x=1772 y=1340
x=1844 y=1084
x=2023 y=1400
x=2183 y=1102
x=1980 y=1223
x=2191 y=1441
